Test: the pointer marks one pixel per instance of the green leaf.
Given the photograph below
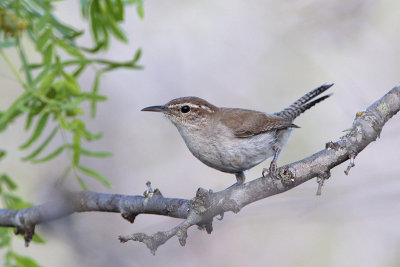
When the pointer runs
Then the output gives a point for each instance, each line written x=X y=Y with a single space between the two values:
x=42 y=146
x=91 y=136
x=2 y=153
x=5 y=237
x=47 y=80
x=95 y=97
x=25 y=62
x=64 y=123
x=41 y=75
x=110 y=8
x=81 y=183
x=37 y=239
x=117 y=31
x=52 y=155
x=8 y=260
x=67 y=32
x=4 y=178
x=13 y=202
x=97 y=154
x=37 y=132
x=35 y=107
x=44 y=38
x=24 y=261
x=140 y=9
x=85 y=8
x=73 y=104
x=95 y=89
x=29 y=120
x=127 y=64
x=76 y=148
x=94 y=174
x=48 y=54
x=137 y=56
x=95 y=49
x=71 y=84
x=72 y=87
x=70 y=49
x=43 y=21
x=79 y=70
x=33 y=66
x=14 y=110
x=73 y=112
x=89 y=153
x=78 y=124
x=93 y=20
x=119 y=6
x=7 y=44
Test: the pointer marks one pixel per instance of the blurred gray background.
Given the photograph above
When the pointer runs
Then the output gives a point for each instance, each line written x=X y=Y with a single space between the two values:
x=260 y=55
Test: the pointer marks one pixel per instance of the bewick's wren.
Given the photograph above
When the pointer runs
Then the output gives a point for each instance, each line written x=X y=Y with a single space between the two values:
x=234 y=140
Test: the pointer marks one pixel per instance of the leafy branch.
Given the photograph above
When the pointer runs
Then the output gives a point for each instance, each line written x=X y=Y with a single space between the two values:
x=52 y=98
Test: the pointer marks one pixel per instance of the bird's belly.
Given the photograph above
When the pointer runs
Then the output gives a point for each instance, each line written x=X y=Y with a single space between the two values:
x=244 y=153
x=232 y=154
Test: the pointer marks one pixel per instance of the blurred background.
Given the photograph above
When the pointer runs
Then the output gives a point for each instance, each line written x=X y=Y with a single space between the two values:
x=260 y=55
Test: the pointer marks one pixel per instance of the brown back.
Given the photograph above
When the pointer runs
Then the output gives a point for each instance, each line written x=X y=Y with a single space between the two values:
x=246 y=123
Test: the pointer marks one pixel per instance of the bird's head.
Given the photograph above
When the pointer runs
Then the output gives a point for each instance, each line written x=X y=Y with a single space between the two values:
x=186 y=111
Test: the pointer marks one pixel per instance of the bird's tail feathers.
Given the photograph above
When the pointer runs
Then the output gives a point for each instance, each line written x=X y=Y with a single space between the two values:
x=303 y=103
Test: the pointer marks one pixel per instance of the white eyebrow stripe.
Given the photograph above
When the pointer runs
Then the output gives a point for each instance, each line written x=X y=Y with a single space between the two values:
x=193 y=106
x=207 y=108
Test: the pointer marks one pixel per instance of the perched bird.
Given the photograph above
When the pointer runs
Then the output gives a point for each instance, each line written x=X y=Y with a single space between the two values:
x=234 y=140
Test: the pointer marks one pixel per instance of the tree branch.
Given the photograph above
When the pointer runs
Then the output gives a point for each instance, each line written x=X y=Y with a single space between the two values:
x=206 y=205
x=128 y=206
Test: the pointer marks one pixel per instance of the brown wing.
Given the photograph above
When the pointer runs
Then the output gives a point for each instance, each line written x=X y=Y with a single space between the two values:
x=246 y=123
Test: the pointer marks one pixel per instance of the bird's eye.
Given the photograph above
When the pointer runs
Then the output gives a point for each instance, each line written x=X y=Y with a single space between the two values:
x=185 y=109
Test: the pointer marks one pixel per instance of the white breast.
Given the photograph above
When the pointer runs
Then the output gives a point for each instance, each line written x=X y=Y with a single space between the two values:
x=219 y=149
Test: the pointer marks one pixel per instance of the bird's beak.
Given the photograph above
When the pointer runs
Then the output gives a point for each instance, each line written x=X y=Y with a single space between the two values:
x=156 y=108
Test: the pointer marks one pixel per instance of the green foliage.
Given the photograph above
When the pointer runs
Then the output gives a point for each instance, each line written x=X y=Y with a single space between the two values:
x=52 y=98
x=13 y=259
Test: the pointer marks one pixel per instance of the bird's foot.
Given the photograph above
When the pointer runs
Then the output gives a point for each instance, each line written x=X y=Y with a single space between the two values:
x=271 y=171
x=265 y=172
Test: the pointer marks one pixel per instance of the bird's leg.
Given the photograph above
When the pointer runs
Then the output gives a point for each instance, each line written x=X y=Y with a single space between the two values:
x=274 y=164
x=272 y=167
x=240 y=178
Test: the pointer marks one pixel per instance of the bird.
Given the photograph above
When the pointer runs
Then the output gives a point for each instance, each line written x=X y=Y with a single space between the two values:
x=234 y=140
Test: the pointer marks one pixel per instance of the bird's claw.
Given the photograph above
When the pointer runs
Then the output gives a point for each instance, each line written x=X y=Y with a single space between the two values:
x=265 y=172
x=271 y=171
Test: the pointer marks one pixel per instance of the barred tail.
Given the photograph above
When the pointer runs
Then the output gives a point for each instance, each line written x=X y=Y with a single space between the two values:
x=303 y=103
